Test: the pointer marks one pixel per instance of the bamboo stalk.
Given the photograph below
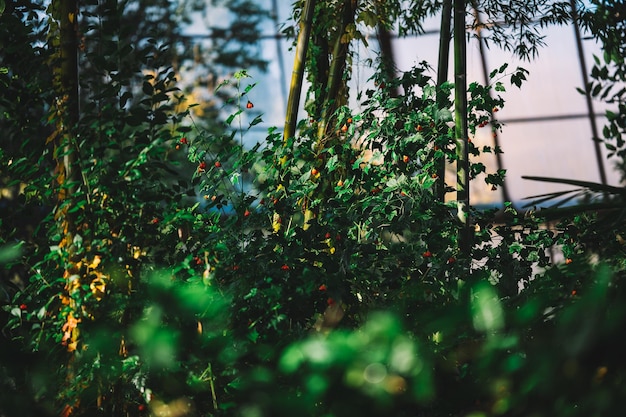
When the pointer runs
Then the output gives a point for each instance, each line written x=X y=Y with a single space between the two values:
x=335 y=73
x=297 y=75
x=461 y=131
x=442 y=77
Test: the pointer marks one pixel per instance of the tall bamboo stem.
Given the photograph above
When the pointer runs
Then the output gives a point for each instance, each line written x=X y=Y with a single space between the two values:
x=297 y=75
x=461 y=131
x=442 y=77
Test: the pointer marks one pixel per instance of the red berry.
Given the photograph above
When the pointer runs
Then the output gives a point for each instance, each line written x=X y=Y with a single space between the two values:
x=314 y=171
x=249 y=105
x=322 y=287
x=23 y=306
x=573 y=292
x=184 y=141
x=419 y=128
x=218 y=164
x=235 y=267
x=285 y=267
x=344 y=128
x=330 y=301
x=327 y=235
x=405 y=159
x=155 y=221
x=569 y=261
x=246 y=213
x=427 y=254
x=451 y=260
x=202 y=166
x=349 y=120
x=197 y=260
x=141 y=407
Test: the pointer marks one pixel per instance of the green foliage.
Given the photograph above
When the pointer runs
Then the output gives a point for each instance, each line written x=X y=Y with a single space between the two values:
x=318 y=275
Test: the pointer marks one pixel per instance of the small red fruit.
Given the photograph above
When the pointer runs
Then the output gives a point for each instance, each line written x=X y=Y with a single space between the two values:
x=405 y=159
x=197 y=260
x=246 y=213
x=285 y=267
x=573 y=292
x=141 y=407
x=568 y=261
x=314 y=171
x=327 y=235
x=451 y=260
x=155 y=221
x=322 y=287
x=235 y=267
x=249 y=105
x=330 y=301
x=183 y=141
x=419 y=128
x=23 y=307
x=218 y=164
x=344 y=128
x=427 y=254
x=202 y=166
x=349 y=120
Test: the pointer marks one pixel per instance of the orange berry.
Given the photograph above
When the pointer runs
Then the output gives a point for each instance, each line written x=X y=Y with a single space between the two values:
x=568 y=261
x=322 y=287
x=249 y=105
x=246 y=213
x=419 y=128
x=405 y=159
x=218 y=164
x=344 y=128
x=339 y=183
x=314 y=171
x=349 y=120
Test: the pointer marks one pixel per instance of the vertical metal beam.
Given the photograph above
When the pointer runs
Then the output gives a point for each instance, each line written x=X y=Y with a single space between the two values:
x=279 y=55
x=590 y=110
x=483 y=60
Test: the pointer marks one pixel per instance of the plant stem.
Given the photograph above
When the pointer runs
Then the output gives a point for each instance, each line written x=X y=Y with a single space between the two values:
x=460 y=117
x=442 y=77
x=297 y=75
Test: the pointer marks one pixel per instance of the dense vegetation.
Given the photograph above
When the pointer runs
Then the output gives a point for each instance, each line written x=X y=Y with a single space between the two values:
x=154 y=265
